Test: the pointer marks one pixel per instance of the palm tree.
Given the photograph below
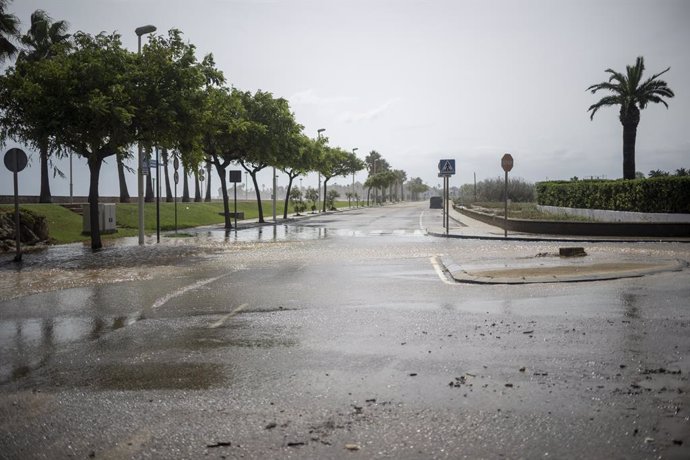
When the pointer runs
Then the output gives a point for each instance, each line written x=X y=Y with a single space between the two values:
x=9 y=29
x=632 y=95
x=39 y=44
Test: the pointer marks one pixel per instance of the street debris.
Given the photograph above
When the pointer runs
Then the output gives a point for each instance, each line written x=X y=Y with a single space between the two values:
x=219 y=444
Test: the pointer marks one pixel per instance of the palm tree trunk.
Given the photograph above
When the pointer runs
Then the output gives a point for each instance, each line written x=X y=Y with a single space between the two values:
x=45 y=196
x=629 y=138
x=629 y=118
x=208 y=183
x=124 y=194
x=185 y=186
x=197 y=187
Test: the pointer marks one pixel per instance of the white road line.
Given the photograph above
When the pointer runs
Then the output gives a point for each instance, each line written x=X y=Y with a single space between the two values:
x=163 y=300
x=439 y=270
x=421 y=218
x=222 y=321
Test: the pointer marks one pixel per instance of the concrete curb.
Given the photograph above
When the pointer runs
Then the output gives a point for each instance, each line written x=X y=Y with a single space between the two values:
x=609 y=271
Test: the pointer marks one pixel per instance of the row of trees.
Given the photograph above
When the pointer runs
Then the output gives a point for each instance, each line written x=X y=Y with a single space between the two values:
x=88 y=95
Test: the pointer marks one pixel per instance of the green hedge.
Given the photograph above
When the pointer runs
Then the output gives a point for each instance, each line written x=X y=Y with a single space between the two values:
x=659 y=194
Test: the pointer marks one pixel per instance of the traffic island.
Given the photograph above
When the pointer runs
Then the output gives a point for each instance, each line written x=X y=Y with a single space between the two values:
x=519 y=272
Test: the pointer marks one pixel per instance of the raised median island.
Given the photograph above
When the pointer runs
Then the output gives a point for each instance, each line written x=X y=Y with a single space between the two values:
x=584 y=228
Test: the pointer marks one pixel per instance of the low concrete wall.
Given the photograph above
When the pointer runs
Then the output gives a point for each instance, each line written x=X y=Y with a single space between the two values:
x=625 y=229
x=602 y=215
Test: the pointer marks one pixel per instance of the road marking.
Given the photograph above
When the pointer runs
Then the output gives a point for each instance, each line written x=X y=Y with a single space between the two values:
x=440 y=271
x=163 y=300
x=421 y=219
x=222 y=321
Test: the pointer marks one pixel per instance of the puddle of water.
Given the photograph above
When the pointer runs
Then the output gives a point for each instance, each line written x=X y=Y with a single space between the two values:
x=157 y=376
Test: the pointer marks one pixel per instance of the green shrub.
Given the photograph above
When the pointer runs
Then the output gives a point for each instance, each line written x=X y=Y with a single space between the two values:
x=658 y=194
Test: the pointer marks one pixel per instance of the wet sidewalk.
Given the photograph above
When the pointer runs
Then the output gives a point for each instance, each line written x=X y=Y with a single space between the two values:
x=534 y=258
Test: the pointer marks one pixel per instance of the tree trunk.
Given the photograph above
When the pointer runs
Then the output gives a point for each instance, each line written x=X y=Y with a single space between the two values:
x=124 y=193
x=45 y=196
x=287 y=195
x=148 y=194
x=185 y=186
x=197 y=187
x=258 y=197
x=168 y=191
x=94 y=169
x=208 y=183
x=629 y=119
x=325 y=181
x=224 y=192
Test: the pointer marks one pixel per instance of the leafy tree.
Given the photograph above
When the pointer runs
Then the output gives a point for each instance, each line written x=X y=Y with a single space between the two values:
x=332 y=163
x=633 y=95
x=299 y=158
x=400 y=178
x=90 y=93
x=224 y=133
x=170 y=96
x=330 y=199
x=26 y=119
x=275 y=127
x=298 y=204
x=415 y=186
x=682 y=172
x=9 y=30
x=658 y=173
x=312 y=195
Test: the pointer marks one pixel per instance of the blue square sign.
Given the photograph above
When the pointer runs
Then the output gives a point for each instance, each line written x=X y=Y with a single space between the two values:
x=446 y=167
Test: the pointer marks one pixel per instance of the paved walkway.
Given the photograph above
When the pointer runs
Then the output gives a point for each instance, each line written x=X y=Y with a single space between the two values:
x=525 y=267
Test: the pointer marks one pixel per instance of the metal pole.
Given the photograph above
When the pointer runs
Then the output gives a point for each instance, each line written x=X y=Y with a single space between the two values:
x=445 y=186
x=140 y=176
x=175 y=207
x=505 y=215
x=71 y=189
x=158 y=199
x=17 y=228
x=235 y=206
x=274 y=195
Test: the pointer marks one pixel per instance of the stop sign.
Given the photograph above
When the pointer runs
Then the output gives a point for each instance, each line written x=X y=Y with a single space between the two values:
x=507 y=162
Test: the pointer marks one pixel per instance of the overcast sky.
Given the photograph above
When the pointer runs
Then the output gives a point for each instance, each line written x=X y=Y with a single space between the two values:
x=419 y=81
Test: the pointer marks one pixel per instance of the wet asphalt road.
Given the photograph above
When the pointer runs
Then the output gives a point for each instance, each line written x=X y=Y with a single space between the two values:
x=338 y=337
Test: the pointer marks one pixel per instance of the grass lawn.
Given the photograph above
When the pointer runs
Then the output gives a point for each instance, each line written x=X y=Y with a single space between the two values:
x=65 y=226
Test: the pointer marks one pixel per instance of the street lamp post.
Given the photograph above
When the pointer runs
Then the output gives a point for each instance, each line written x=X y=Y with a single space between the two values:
x=147 y=29
x=318 y=200
x=353 y=175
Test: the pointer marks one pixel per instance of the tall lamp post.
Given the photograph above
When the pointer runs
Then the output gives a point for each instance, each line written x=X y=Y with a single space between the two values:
x=318 y=200
x=353 y=175
x=147 y=29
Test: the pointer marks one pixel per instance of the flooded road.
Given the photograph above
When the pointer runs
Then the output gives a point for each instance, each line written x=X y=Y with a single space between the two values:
x=335 y=336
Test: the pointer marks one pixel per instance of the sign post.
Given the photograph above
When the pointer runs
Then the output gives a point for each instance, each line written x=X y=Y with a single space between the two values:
x=15 y=161
x=446 y=168
x=176 y=177
x=507 y=165
x=235 y=177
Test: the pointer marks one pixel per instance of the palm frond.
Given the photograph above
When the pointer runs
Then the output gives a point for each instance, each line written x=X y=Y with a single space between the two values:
x=604 y=102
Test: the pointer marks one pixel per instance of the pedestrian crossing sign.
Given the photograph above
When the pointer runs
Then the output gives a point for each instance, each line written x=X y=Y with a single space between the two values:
x=446 y=167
